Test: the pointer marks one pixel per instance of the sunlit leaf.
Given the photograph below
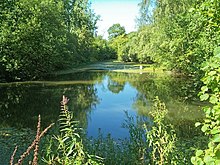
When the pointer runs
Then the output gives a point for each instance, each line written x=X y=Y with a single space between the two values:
x=217 y=51
x=199 y=153
x=215 y=131
x=204 y=97
x=204 y=89
x=213 y=99
x=208 y=159
x=216 y=138
x=204 y=128
x=212 y=73
x=197 y=124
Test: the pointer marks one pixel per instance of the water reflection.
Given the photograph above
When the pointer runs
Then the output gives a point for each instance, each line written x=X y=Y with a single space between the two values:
x=109 y=114
x=21 y=104
x=98 y=100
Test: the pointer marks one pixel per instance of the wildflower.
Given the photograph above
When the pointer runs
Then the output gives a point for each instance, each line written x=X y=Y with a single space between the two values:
x=64 y=101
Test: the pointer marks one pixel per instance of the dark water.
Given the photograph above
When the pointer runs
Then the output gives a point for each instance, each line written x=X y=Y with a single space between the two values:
x=99 y=100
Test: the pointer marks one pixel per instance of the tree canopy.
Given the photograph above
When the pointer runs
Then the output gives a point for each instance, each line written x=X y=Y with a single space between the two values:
x=115 y=30
x=179 y=34
x=39 y=36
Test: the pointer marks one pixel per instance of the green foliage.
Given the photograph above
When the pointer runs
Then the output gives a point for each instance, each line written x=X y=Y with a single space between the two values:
x=67 y=148
x=137 y=144
x=40 y=36
x=179 y=34
x=27 y=37
x=109 y=149
x=161 y=136
x=211 y=125
x=102 y=50
x=117 y=44
x=115 y=30
x=116 y=151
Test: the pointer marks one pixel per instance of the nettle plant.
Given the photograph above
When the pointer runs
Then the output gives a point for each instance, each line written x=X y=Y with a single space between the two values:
x=211 y=125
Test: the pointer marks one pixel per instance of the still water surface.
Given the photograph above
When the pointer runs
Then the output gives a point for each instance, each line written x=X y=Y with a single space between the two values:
x=99 y=100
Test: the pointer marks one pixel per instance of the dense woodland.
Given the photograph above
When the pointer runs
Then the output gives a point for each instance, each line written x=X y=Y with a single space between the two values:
x=41 y=36
x=37 y=37
x=180 y=34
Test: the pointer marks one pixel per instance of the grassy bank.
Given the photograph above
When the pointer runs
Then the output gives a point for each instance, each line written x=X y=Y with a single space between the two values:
x=117 y=66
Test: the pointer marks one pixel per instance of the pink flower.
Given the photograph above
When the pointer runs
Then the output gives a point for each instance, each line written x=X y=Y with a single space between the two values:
x=64 y=101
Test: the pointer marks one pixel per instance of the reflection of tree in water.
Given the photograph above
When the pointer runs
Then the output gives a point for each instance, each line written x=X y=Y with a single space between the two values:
x=9 y=97
x=80 y=76
x=82 y=99
x=169 y=90
x=177 y=93
x=25 y=104
x=115 y=87
x=150 y=85
x=165 y=87
x=21 y=104
x=116 y=82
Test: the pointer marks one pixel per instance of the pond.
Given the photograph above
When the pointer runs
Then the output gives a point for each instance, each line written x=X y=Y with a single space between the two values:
x=99 y=100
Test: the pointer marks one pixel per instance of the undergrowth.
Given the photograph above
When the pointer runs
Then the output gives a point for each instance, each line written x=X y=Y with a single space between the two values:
x=67 y=147
x=152 y=140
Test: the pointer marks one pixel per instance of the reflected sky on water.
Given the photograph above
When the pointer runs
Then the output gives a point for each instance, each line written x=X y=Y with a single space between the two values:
x=98 y=100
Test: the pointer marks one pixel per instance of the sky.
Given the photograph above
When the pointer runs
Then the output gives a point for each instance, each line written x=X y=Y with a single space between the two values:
x=116 y=11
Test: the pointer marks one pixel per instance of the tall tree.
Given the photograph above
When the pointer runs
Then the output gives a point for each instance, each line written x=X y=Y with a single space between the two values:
x=39 y=36
x=115 y=30
x=183 y=32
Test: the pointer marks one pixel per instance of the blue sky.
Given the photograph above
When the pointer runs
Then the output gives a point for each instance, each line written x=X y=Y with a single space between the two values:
x=116 y=11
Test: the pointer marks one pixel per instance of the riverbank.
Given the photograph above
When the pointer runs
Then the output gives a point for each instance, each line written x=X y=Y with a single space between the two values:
x=117 y=66
x=114 y=66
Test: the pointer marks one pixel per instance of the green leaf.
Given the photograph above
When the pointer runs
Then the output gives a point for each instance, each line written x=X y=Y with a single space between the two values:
x=217 y=51
x=216 y=138
x=199 y=162
x=217 y=161
x=199 y=153
x=213 y=99
x=193 y=160
x=197 y=124
x=208 y=159
x=204 y=89
x=210 y=144
x=71 y=149
x=191 y=10
x=204 y=97
x=212 y=73
x=204 y=128
x=217 y=154
x=215 y=131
